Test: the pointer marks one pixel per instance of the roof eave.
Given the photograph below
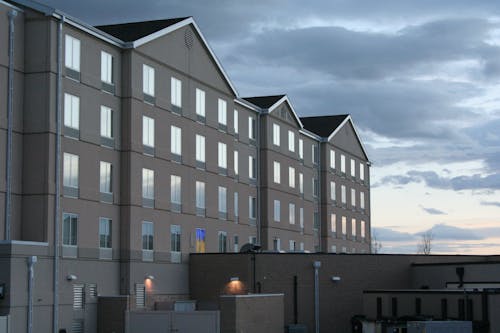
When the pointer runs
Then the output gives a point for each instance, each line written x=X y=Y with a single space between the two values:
x=173 y=27
x=279 y=102
x=349 y=119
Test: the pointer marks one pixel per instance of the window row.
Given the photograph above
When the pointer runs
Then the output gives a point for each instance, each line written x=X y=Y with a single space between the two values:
x=104 y=238
x=291 y=144
x=343 y=194
x=292 y=245
x=72 y=60
x=148 y=195
x=333 y=161
x=292 y=179
x=362 y=226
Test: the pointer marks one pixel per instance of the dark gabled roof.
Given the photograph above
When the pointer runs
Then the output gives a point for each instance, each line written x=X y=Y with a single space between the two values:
x=323 y=125
x=264 y=102
x=129 y=32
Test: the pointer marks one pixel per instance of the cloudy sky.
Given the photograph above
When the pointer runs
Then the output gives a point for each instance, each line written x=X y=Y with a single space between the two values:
x=420 y=78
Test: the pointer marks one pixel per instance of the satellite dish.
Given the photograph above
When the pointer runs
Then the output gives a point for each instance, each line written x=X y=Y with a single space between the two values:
x=249 y=248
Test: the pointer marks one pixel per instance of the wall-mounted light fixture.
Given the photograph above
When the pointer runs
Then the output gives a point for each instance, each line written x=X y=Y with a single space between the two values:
x=234 y=278
x=335 y=278
x=71 y=277
x=149 y=277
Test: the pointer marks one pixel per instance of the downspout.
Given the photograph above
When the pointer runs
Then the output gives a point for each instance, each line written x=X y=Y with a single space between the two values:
x=31 y=262
x=10 y=94
x=319 y=197
x=57 y=208
x=259 y=196
x=316 y=265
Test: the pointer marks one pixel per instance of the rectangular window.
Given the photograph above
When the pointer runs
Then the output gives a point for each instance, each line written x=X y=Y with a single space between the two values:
x=277 y=172
x=200 y=102
x=222 y=155
x=200 y=240
x=72 y=59
x=353 y=168
x=343 y=194
x=344 y=225
x=301 y=217
x=342 y=163
x=353 y=197
x=301 y=149
x=277 y=210
x=362 y=200
x=236 y=241
x=236 y=162
x=291 y=141
x=252 y=128
x=315 y=187
x=236 y=206
x=176 y=140
x=292 y=244
x=147 y=236
x=70 y=229
x=70 y=170
x=104 y=233
x=106 y=122
x=105 y=177
x=176 y=92
x=200 y=148
x=71 y=111
x=276 y=134
x=148 y=80
x=222 y=202
x=222 y=112
x=276 y=244
x=106 y=67
x=333 y=222
x=235 y=121
x=316 y=220
x=332 y=159
x=200 y=196
x=291 y=177
x=314 y=154
x=175 y=190
x=252 y=167
x=301 y=183
x=175 y=243
x=361 y=171
x=353 y=227
x=333 y=195
x=222 y=241
x=148 y=131
x=291 y=213
x=363 y=229
x=148 y=184
x=252 y=207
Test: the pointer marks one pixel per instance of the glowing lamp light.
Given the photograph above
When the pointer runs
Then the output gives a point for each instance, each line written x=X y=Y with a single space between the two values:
x=235 y=286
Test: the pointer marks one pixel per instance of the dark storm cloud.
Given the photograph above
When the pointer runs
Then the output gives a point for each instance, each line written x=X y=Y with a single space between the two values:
x=432 y=179
x=433 y=211
x=347 y=54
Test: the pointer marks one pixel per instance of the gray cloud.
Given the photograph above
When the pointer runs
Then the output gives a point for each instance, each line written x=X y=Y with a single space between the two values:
x=491 y=203
x=448 y=232
x=433 y=211
x=432 y=179
x=387 y=234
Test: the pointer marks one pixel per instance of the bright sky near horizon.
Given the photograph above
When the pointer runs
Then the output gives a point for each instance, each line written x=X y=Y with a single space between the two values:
x=420 y=78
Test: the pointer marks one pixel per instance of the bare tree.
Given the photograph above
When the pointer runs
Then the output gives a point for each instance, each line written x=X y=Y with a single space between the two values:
x=425 y=245
x=375 y=244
